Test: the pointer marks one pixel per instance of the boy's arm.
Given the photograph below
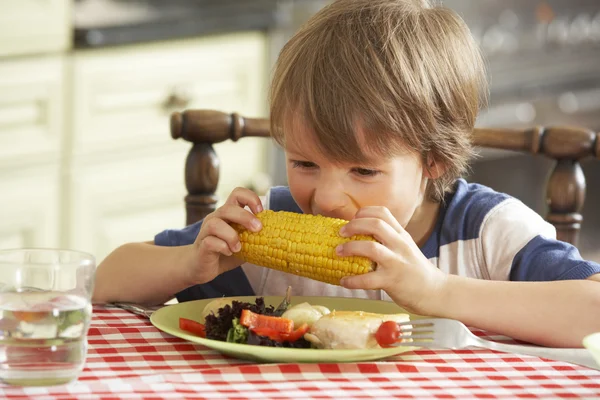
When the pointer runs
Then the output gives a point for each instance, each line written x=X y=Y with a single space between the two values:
x=557 y=314
x=143 y=273
x=547 y=302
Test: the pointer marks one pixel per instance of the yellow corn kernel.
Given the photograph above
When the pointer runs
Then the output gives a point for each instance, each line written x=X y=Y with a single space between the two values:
x=301 y=244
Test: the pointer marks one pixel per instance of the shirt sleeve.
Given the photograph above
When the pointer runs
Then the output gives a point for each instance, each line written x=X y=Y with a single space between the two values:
x=178 y=237
x=519 y=245
x=544 y=259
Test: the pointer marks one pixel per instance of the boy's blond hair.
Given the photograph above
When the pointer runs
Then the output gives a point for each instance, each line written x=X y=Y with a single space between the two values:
x=408 y=74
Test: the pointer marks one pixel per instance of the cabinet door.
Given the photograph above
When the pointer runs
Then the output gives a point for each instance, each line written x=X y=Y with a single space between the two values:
x=31 y=110
x=34 y=26
x=127 y=173
x=29 y=208
x=126 y=200
x=125 y=96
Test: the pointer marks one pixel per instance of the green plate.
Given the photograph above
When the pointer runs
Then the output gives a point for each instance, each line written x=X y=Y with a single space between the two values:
x=167 y=320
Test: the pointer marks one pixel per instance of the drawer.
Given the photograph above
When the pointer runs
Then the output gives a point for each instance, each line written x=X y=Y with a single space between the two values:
x=29 y=207
x=124 y=97
x=125 y=200
x=31 y=110
x=34 y=26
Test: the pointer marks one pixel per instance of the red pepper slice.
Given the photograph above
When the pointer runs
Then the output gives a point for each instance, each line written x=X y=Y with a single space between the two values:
x=192 y=326
x=296 y=334
x=271 y=333
x=274 y=334
x=252 y=320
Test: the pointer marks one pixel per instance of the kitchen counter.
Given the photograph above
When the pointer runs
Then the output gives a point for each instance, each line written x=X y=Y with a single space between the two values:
x=100 y=23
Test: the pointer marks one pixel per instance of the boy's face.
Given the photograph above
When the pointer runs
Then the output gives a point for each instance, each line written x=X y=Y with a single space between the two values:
x=320 y=186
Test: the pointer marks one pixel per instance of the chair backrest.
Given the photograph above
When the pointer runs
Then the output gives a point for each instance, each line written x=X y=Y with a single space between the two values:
x=565 y=188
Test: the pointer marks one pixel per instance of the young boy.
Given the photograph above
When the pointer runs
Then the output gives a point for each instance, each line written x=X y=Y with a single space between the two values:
x=374 y=102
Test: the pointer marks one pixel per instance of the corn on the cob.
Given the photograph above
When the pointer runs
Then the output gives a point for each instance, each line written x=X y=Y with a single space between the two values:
x=301 y=244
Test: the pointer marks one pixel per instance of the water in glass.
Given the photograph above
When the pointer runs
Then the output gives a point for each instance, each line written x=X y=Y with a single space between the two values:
x=43 y=329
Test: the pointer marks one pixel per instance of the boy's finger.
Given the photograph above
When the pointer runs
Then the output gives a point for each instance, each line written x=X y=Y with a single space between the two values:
x=368 y=281
x=375 y=252
x=243 y=197
x=238 y=215
x=382 y=213
x=379 y=229
x=216 y=245
x=221 y=230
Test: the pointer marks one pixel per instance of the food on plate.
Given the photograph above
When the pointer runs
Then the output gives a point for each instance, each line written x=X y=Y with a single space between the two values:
x=349 y=329
x=388 y=334
x=192 y=326
x=253 y=320
x=301 y=244
x=214 y=306
x=305 y=313
x=300 y=326
x=254 y=323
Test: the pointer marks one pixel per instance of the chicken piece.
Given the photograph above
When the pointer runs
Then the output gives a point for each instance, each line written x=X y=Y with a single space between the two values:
x=349 y=329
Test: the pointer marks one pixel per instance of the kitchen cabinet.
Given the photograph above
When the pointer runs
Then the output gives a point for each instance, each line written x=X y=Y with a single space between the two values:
x=31 y=137
x=29 y=207
x=126 y=181
x=123 y=96
x=31 y=110
x=86 y=157
x=34 y=26
x=124 y=199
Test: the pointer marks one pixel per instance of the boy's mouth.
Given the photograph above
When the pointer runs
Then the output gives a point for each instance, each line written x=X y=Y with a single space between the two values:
x=333 y=215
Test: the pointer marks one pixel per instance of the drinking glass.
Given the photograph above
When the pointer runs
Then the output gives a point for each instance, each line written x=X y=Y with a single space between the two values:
x=45 y=312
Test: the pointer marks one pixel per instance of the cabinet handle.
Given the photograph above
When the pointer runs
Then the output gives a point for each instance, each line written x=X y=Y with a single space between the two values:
x=177 y=101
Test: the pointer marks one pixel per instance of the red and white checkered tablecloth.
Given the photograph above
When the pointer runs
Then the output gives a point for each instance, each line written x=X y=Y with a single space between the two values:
x=129 y=358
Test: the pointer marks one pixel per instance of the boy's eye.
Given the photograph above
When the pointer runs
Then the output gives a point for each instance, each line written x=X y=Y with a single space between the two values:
x=366 y=172
x=303 y=164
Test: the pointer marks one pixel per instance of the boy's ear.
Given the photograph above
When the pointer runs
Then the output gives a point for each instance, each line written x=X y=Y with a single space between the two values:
x=433 y=169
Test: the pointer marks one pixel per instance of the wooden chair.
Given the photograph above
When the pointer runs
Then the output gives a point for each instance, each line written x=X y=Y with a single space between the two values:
x=565 y=189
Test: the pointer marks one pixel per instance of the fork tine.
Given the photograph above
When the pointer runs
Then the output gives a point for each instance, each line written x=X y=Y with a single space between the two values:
x=408 y=331
x=414 y=337
x=420 y=332
x=418 y=322
x=402 y=323
x=414 y=344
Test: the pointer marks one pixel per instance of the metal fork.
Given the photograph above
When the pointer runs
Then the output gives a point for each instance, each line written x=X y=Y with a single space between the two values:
x=137 y=309
x=451 y=334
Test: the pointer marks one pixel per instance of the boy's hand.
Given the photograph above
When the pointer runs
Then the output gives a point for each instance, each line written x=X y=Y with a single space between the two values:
x=406 y=275
x=217 y=240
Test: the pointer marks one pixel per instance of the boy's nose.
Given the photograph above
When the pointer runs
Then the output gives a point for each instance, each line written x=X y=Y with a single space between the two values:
x=329 y=200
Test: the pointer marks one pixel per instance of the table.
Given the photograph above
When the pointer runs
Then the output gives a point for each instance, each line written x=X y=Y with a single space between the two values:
x=128 y=358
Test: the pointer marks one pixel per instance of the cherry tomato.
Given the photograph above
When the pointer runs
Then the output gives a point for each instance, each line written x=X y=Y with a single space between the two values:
x=387 y=334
